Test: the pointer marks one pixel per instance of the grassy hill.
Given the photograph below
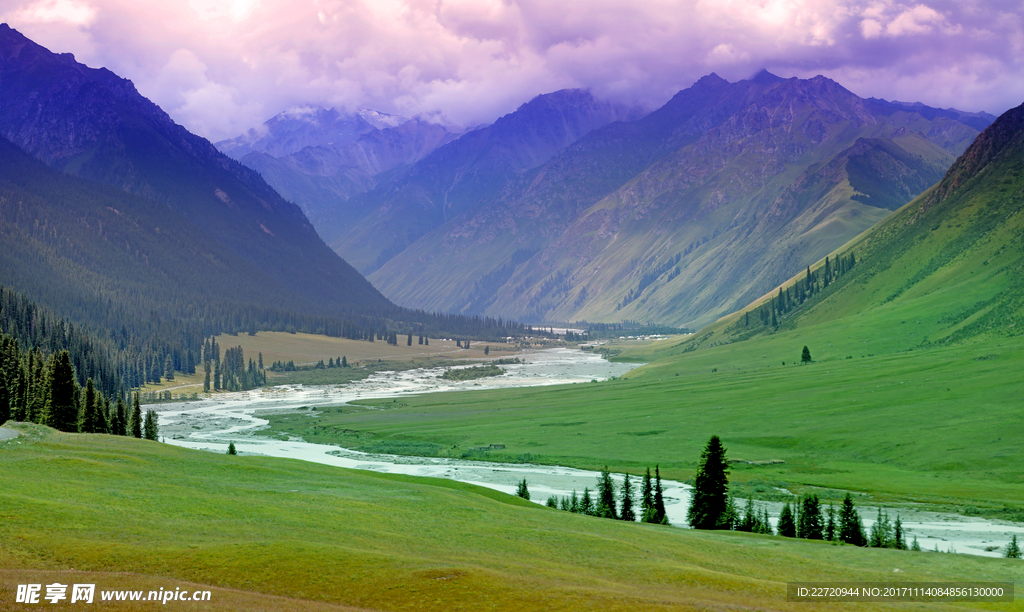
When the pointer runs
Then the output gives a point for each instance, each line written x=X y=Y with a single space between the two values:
x=275 y=534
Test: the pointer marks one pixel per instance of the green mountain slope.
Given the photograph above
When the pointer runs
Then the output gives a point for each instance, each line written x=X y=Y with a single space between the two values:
x=952 y=259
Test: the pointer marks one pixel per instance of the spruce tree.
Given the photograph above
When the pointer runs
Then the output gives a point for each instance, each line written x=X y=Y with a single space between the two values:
x=574 y=504
x=552 y=501
x=1012 y=549
x=627 y=513
x=150 y=429
x=899 y=539
x=605 y=496
x=408 y=341
x=660 y=516
x=709 y=503
x=647 y=499
x=915 y=546
x=522 y=490
x=805 y=357
x=831 y=529
x=122 y=417
x=881 y=531
x=136 y=419
x=787 y=525
x=749 y=521
x=231 y=449
x=586 y=504
x=850 y=529
x=344 y=361
x=90 y=411
x=61 y=407
x=810 y=525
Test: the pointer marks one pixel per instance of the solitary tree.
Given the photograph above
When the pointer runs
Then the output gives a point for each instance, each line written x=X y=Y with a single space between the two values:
x=231 y=449
x=1013 y=549
x=627 y=513
x=806 y=356
x=710 y=501
x=522 y=491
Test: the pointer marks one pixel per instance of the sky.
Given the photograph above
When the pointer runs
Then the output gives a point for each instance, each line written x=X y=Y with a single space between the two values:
x=219 y=67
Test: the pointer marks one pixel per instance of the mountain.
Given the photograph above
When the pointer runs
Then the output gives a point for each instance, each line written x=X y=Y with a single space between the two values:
x=463 y=175
x=681 y=216
x=321 y=158
x=94 y=125
x=946 y=268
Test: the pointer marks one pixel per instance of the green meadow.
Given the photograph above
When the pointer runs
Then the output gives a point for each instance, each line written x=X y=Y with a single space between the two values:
x=275 y=534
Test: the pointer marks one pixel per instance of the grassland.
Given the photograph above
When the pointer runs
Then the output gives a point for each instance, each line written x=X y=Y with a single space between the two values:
x=308 y=349
x=275 y=534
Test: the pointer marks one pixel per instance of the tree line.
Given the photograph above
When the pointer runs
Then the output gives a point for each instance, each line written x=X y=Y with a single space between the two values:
x=45 y=390
x=712 y=507
x=770 y=313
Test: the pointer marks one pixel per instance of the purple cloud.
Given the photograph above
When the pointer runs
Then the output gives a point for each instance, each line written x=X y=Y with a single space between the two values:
x=222 y=66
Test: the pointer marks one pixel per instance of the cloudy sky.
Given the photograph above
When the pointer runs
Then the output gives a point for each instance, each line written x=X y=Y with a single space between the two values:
x=221 y=66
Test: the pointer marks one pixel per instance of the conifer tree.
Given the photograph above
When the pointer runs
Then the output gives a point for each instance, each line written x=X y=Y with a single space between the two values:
x=831 y=529
x=61 y=408
x=787 y=525
x=563 y=504
x=749 y=521
x=660 y=516
x=606 y=496
x=408 y=341
x=851 y=530
x=90 y=411
x=647 y=499
x=122 y=417
x=574 y=504
x=552 y=501
x=881 y=531
x=231 y=449
x=915 y=546
x=627 y=513
x=810 y=525
x=899 y=539
x=522 y=490
x=344 y=361
x=150 y=429
x=586 y=504
x=1012 y=549
x=136 y=420
x=805 y=357
x=710 y=499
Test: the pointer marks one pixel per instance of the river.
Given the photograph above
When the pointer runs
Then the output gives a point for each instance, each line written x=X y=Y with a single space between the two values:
x=233 y=417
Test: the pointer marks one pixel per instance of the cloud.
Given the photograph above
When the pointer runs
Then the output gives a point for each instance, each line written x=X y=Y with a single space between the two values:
x=71 y=12
x=222 y=66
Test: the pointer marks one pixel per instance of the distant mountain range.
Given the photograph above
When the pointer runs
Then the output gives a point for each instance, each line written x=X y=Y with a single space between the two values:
x=571 y=208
